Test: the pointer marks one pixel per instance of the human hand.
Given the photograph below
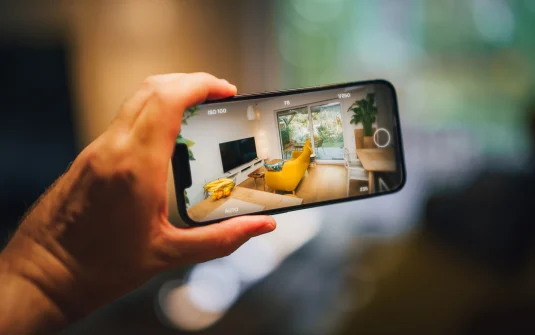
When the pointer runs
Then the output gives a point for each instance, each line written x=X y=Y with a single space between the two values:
x=102 y=230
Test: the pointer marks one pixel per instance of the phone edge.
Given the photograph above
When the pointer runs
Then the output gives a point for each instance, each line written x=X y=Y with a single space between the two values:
x=181 y=201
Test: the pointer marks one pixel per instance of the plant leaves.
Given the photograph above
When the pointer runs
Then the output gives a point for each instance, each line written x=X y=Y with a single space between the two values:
x=370 y=98
x=189 y=143
x=188 y=113
x=191 y=112
x=183 y=140
x=355 y=104
x=186 y=198
x=364 y=111
x=356 y=119
x=194 y=110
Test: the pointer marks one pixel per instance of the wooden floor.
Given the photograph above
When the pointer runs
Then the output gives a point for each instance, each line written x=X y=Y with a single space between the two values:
x=320 y=183
x=209 y=209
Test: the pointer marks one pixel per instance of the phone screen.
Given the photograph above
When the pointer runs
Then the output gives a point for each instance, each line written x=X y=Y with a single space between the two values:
x=289 y=150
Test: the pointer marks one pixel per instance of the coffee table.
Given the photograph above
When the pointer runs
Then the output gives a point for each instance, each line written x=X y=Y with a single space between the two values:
x=258 y=174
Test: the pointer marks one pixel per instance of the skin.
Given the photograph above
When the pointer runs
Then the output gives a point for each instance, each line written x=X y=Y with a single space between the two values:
x=102 y=229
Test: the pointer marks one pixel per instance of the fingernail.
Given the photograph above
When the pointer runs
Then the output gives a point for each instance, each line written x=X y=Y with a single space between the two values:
x=269 y=226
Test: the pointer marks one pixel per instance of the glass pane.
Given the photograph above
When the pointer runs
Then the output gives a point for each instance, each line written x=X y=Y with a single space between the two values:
x=328 y=134
x=294 y=130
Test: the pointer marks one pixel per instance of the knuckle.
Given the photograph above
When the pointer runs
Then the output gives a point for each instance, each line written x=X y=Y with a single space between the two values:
x=204 y=77
x=109 y=163
x=153 y=86
x=120 y=145
x=92 y=162
x=150 y=81
x=121 y=163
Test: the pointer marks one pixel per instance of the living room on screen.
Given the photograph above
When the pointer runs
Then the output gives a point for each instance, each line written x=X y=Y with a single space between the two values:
x=256 y=155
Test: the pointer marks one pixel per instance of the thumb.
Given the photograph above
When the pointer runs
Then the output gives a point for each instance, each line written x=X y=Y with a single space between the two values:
x=200 y=244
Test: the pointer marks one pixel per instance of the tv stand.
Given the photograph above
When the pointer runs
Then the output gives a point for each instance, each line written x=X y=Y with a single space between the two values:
x=241 y=173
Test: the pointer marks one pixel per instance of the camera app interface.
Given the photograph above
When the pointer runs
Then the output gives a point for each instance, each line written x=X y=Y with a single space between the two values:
x=292 y=150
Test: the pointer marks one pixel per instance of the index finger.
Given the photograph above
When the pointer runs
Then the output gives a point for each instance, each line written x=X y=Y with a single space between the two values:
x=161 y=117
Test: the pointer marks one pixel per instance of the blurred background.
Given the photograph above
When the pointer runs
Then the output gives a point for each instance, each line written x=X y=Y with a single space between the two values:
x=450 y=253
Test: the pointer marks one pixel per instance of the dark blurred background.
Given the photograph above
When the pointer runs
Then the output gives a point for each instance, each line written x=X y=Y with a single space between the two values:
x=451 y=253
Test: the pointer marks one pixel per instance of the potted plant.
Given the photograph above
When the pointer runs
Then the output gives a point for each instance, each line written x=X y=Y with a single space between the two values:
x=365 y=112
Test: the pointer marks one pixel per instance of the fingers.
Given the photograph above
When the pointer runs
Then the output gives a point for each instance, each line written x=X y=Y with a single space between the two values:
x=201 y=244
x=159 y=120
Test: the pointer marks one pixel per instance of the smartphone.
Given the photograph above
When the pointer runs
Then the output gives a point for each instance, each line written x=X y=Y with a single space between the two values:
x=282 y=151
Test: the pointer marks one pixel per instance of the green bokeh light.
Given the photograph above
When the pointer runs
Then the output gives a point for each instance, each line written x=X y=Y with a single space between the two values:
x=457 y=63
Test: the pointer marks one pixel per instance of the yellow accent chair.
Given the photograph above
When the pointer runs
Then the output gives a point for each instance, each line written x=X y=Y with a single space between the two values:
x=292 y=171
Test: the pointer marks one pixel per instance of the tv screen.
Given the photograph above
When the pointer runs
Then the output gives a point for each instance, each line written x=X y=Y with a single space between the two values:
x=236 y=153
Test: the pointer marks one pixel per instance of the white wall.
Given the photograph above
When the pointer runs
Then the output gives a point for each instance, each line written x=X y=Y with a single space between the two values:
x=208 y=131
x=385 y=103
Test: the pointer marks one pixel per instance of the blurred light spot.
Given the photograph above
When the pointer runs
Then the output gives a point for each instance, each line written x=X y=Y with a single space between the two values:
x=292 y=44
x=318 y=10
x=178 y=311
x=441 y=11
x=306 y=26
x=383 y=50
x=213 y=287
x=254 y=260
x=494 y=20
x=511 y=74
x=294 y=229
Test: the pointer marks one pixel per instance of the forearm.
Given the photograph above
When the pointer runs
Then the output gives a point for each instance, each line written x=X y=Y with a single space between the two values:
x=24 y=307
x=28 y=271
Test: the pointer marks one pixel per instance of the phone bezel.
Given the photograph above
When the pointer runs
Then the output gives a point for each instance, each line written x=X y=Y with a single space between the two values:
x=183 y=181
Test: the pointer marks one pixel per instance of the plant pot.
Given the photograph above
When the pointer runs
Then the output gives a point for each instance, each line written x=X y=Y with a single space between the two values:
x=367 y=142
x=359 y=139
x=359 y=143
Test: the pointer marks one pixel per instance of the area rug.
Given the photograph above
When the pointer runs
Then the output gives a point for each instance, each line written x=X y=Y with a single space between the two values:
x=226 y=209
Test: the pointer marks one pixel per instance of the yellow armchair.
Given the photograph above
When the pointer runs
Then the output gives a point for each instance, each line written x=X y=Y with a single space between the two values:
x=292 y=171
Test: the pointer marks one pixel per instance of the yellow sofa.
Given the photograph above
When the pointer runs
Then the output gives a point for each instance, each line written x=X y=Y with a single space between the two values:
x=292 y=171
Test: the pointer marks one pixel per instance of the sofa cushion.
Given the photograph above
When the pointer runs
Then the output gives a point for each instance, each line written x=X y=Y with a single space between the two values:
x=274 y=167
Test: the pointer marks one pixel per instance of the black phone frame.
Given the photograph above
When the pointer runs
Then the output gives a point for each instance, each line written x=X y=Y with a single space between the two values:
x=182 y=171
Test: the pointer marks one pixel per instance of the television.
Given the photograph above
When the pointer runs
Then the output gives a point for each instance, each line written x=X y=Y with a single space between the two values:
x=236 y=153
